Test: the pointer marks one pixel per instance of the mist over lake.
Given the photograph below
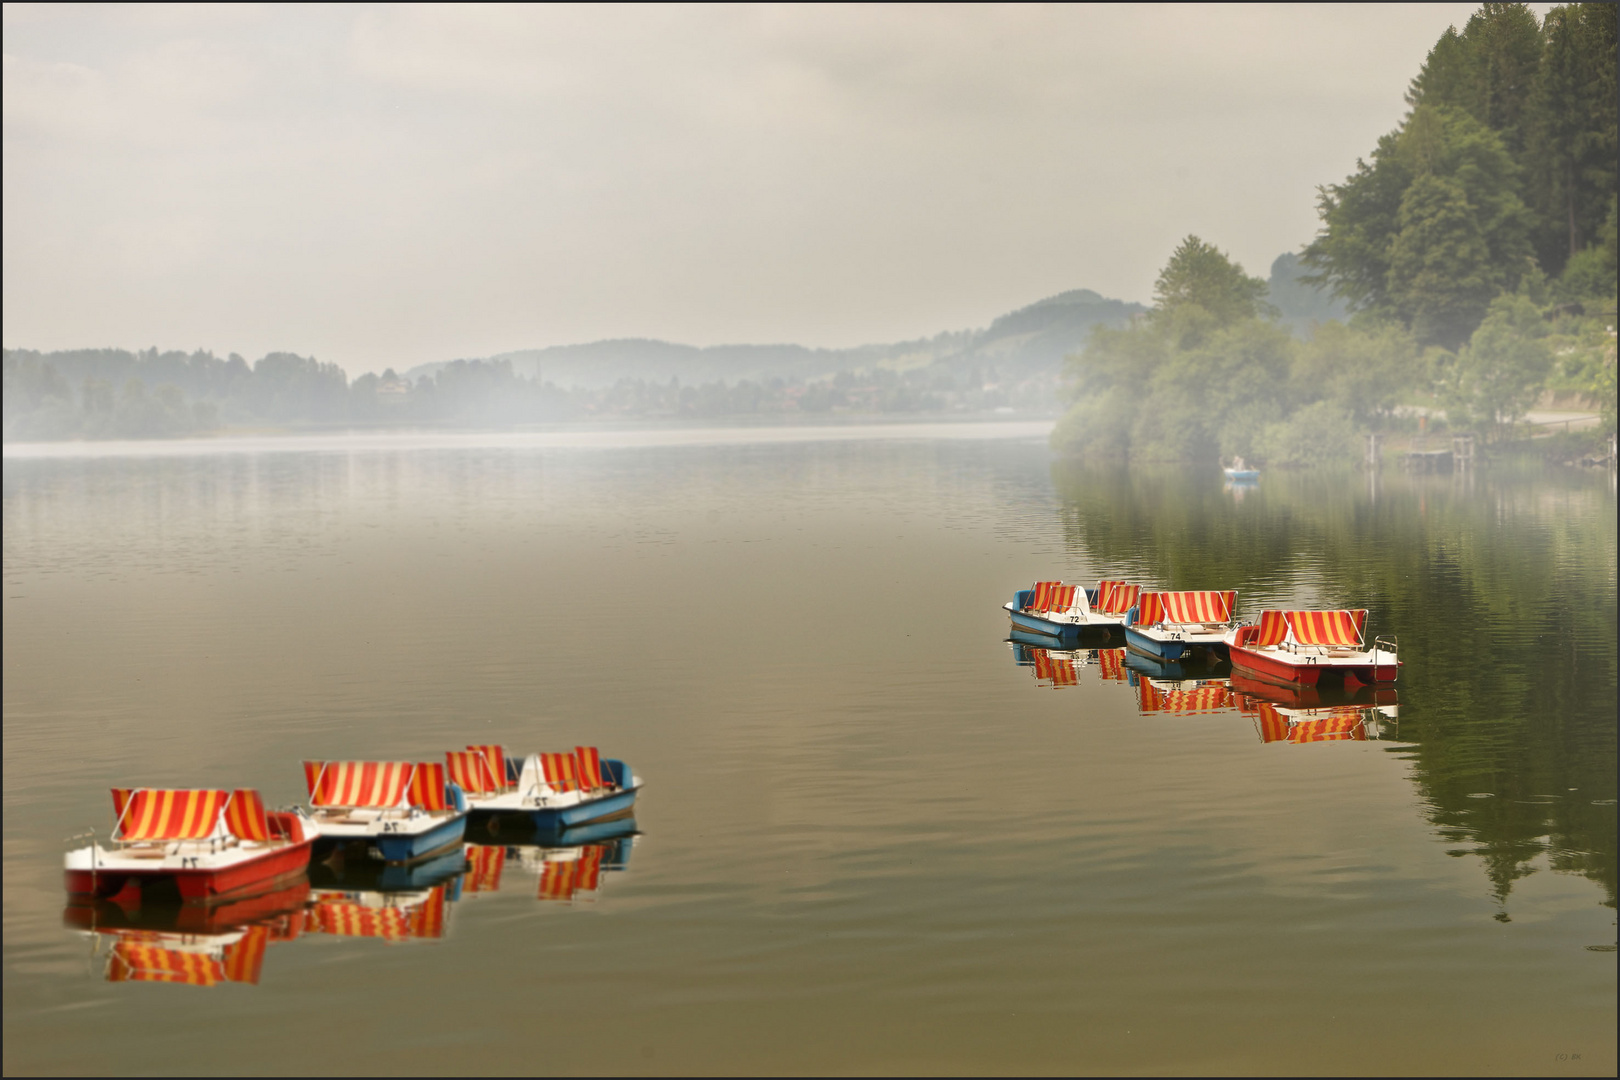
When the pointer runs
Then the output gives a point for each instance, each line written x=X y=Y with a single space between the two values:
x=772 y=540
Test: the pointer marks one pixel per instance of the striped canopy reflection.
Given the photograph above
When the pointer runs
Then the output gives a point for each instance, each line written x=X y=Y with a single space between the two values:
x=1058 y=670
x=564 y=880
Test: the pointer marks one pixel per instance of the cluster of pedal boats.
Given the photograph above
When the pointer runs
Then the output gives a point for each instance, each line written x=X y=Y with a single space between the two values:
x=1289 y=647
x=153 y=939
x=1281 y=713
x=214 y=845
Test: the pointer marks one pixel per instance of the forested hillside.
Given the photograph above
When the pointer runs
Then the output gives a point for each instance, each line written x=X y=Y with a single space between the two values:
x=114 y=393
x=1473 y=253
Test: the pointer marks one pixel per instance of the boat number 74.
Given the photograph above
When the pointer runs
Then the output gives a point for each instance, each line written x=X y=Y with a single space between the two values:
x=390 y=826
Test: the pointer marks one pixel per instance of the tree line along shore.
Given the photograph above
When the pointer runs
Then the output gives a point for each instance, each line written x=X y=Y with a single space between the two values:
x=1463 y=272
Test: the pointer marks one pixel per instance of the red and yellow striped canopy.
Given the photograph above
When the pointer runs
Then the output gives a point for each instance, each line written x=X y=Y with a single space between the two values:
x=1111 y=663
x=245 y=816
x=588 y=762
x=470 y=769
x=1041 y=595
x=427 y=787
x=369 y=784
x=1116 y=597
x=1271 y=630
x=559 y=770
x=496 y=757
x=166 y=814
x=1206 y=606
x=1327 y=628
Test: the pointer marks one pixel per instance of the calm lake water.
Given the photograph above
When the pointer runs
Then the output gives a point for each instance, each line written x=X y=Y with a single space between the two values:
x=875 y=836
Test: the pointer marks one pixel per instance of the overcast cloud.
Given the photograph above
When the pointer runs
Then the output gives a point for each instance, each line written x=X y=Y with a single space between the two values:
x=389 y=185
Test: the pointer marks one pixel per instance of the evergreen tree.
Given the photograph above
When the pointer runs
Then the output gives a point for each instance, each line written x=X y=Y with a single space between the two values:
x=1200 y=274
x=1571 y=173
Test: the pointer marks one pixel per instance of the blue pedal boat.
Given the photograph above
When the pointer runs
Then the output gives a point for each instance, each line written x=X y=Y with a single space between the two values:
x=554 y=790
x=400 y=811
x=1064 y=611
x=1173 y=625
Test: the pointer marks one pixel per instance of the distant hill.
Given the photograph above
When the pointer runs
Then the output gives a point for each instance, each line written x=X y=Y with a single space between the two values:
x=1301 y=305
x=1031 y=341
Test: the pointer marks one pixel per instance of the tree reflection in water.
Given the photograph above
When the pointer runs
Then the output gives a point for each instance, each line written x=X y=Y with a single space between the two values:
x=1500 y=585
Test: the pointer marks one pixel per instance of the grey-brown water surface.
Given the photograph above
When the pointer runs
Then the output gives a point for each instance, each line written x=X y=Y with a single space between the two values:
x=871 y=841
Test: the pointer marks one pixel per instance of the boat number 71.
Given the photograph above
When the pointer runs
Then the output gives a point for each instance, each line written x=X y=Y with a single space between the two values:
x=188 y=861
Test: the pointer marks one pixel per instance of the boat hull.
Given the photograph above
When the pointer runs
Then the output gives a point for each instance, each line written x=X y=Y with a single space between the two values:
x=509 y=829
x=204 y=885
x=616 y=803
x=582 y=813
x=1311 y=670
x=1172 y=648
x=408 y=848
x=1034 y=624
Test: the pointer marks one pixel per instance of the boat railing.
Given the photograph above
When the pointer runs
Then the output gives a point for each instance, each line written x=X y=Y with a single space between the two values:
x=1389 y=643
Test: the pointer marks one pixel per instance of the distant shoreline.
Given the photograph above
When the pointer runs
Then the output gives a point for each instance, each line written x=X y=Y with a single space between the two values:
x=573 y=436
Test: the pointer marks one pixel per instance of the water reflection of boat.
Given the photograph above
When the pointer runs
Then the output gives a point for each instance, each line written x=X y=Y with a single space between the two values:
x=341 y=872
x=1198 y=665
x=1053 y=609
x=1111 y=664
x=190 y=944
x=1170 y=625
x=1185 y=696
x=1052 y=667
x=1307 y=715
x=198 y=845
x=392 y=916
x=1306 y=647
x=555 y=791
x=1312 y=697
x=567 y=864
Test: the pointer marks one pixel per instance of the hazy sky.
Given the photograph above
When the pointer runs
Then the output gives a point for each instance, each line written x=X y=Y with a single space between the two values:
x=389 y=185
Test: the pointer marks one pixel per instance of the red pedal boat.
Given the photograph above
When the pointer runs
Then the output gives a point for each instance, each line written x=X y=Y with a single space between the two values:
x=212 y=845
x=1305 y=648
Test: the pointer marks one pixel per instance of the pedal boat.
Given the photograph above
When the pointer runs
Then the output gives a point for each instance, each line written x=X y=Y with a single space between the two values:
x=556 y=791
x=399 y=811
x=1169 y=625
x=1058 y=610
x=1306 y=648
x=211 y=845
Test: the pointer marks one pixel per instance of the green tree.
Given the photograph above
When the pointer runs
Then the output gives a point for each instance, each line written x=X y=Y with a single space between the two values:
x=1200 y=274
x=1441 y=277
x=1436 y=252
x=1501 y=371
x=1362 y=370
x=1571 y=138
